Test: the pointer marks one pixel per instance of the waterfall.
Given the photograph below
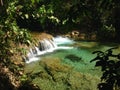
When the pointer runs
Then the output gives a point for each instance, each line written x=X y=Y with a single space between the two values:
x=46 y=46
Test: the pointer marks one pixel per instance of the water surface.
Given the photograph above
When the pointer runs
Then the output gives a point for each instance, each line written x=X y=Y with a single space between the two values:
x=76 y=54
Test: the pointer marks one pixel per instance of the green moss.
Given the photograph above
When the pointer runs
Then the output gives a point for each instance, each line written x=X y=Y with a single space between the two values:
x=54 y=75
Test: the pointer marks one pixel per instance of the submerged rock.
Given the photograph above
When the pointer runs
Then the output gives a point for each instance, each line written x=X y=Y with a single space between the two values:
x=52 y=74
x=73 y=58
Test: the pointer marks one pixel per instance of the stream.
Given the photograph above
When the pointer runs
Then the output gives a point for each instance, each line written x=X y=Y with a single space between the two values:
x=76 y=54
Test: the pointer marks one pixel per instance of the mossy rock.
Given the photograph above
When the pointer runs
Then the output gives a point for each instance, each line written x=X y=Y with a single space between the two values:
x=54 y=75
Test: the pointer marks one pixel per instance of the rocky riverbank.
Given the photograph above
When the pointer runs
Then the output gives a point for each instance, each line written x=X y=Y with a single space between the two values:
x=77 y=35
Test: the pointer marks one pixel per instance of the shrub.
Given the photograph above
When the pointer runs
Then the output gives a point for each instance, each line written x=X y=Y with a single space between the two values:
x=110 y=66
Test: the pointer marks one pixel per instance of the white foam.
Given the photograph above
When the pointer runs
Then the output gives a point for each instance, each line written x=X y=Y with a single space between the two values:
x=64 y=47
x=62 y=40
x=32 y=59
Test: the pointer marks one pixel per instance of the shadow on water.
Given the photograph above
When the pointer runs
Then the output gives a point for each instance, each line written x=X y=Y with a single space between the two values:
x=73 y=58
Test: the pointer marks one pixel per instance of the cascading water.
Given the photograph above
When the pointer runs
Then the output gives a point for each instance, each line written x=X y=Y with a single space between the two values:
x=73 y=63
x=62 y=40
x=46 y=46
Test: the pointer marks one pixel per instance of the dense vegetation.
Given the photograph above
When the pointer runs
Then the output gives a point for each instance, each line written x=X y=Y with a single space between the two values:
x=100 y=17
x=54 y=16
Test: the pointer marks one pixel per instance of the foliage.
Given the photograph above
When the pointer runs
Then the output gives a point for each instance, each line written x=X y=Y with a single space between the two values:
x=11 y=38
x=107 y=32
x=36 y=12
x=10 y=33
x=85 y=15
x=110 y=66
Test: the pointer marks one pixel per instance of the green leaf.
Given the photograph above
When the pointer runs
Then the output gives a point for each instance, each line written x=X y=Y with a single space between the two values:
x=33 y=1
